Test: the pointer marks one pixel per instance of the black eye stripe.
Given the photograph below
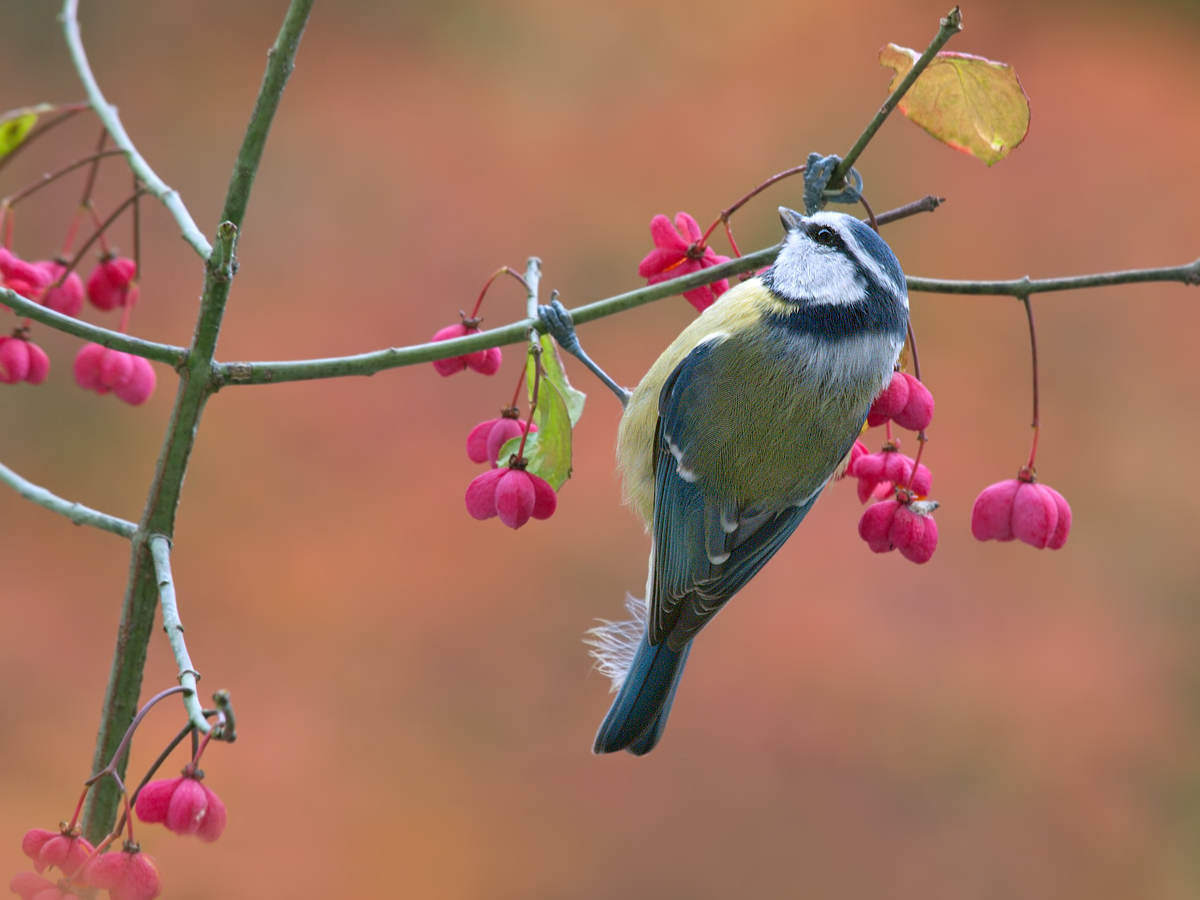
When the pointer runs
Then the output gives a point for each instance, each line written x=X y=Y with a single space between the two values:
x=825 y=236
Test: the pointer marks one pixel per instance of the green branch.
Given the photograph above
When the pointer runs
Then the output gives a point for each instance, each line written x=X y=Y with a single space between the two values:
x=396 y=357
x=76 y=512
x=114 y=340
x=517 y=332
x=949 y=26
x=196 y=385
x=280 y=63
x=1023 y=287
x=107 y=113
x=160 y=550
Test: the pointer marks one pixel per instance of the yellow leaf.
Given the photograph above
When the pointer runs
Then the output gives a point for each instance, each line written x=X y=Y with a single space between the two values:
x=967 y=102
x=16 y=124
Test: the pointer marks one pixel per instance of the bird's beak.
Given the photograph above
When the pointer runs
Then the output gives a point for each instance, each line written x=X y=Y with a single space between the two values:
x=791 y=219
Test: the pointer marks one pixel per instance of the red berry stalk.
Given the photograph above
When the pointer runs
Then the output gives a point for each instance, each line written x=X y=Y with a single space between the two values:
x=1020 y=508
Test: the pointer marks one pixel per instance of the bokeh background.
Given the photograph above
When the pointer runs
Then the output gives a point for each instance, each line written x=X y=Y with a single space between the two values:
x=415 y=704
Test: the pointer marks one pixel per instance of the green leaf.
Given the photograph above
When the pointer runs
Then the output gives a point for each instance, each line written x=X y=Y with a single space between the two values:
x=970 y=103
x=16 y=124
x=547 y=450
x=557 y=375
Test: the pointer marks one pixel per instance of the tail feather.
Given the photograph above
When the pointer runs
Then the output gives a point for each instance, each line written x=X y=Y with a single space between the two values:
x=639 y=713
x=650 y=736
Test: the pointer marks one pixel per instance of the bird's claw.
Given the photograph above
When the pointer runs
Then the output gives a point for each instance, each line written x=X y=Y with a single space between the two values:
x=558 y=323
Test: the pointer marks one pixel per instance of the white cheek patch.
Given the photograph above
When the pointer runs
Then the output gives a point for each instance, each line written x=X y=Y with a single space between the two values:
x=807 y=270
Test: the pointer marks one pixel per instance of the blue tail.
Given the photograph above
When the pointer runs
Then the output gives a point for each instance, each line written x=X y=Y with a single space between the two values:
x=639 y=714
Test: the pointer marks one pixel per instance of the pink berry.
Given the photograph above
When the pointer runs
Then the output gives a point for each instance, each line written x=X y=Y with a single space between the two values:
x=486 y=362
x=991 y=516
x=512 y=494
x=907 y=527
x=875 y=525
x=29 y=886
x=126 y=875
x=109 y=285
x=918 y=410
x=14 y=360
x=63 y=850
x=87 y=367
x=25 y=278
x=67 y=298
x=185 y=805
x=39 y=364
x=906 y=401
x=486 y=438
x=131 y=378
x=890 y=401
x=1022 y=509
x=858 y=451
x=141 y=383
x=878 y=473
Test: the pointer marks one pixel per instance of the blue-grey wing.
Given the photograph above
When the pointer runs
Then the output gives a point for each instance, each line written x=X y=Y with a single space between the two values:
x=706 y=545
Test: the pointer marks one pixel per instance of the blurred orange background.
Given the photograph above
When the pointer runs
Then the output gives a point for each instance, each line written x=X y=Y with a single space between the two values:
x=415 y=704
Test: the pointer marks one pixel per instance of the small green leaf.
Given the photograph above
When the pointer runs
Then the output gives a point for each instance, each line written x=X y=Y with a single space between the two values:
x=16 y=124
x=547 y=450
x=557 y=375
x=967 y=102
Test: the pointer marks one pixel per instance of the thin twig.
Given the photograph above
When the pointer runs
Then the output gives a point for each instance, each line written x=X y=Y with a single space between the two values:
x=112 y=766
x=948 y=27
x=160 y=549
x=50 y=177
x=114 y=340
x=97 y=235
x=1021 y=287
x=927 y=203
x=533 y=277
x=76 y=512
x=107 y=113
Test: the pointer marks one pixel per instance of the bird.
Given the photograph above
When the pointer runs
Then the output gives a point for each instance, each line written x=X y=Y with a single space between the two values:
x=731 y=436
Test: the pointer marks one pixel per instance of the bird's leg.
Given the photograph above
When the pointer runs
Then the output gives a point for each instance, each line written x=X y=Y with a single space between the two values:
x=556 y=320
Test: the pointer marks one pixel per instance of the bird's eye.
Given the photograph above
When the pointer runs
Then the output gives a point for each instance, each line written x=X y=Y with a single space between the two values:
x=824 y=236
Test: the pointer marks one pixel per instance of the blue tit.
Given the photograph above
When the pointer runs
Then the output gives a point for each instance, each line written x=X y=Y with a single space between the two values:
x=731 y=436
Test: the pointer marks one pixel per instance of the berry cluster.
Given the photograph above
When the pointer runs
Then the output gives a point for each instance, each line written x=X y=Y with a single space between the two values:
x=903 y=519
x=509 y=490
x=184 y=805
x=111 y=285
